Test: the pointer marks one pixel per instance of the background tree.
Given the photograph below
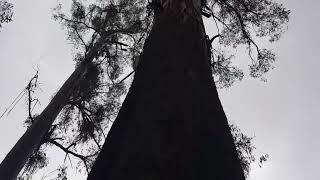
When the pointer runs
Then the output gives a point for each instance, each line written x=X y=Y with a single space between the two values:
x=103 y=43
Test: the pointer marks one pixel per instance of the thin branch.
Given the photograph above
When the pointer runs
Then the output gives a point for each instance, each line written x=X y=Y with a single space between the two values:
x=91 y=120
x=79 y=22
x=242 y=25
x=247 y=8
x=214 y=37
x=13 y=104
x=66 y=150
x=86 y=117
x=81 y=39
x=126 y=77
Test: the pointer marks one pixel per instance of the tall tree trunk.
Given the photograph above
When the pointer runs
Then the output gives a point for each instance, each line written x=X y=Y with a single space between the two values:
x=31 y=139
x=171 y=125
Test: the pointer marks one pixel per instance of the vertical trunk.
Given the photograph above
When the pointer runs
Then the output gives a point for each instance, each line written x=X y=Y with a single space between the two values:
x=31 y=139
x=171 y=124
x=27 y=144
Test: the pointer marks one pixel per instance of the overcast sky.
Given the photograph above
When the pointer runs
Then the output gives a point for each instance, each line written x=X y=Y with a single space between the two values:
x=283 y=113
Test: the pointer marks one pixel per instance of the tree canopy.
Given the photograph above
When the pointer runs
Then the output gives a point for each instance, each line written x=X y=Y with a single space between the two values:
x=113 y=32
x=244 y=22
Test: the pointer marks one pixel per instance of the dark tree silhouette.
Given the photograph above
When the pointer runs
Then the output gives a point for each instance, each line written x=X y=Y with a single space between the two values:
x=171 y=124
x=172 y=119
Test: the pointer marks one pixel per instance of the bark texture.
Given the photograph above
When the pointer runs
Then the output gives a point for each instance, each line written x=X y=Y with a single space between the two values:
x=171 y=125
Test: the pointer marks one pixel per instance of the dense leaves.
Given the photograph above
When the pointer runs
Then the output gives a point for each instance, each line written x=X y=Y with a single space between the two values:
x=225 y=74
x=6 y=12
x=264 y=63
x=96 y=100
x=36 y=161
x=109 y=35
x=243 y=22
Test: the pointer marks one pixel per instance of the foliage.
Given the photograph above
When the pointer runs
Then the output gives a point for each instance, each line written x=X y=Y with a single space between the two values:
x=227 y=74
x=109 y=36
x=245 y=149
x=5 y=12
x=241 y=22
x=36 y=161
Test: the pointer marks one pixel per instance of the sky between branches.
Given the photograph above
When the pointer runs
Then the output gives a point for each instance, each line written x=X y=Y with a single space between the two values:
x=282 y=113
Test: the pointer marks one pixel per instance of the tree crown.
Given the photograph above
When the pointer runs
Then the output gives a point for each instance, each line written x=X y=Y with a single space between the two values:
x=110 y=36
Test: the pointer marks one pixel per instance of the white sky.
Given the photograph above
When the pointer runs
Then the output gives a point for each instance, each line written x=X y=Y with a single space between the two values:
x=282 y=113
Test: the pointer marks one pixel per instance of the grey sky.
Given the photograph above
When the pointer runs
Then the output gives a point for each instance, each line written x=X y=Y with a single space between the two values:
x=282 y=113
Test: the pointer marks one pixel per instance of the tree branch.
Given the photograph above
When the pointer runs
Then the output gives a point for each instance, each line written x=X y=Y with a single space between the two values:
x=66 y=150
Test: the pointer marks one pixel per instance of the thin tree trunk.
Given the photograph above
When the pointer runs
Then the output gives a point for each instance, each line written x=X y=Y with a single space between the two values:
x=31 y=139
x=171 y=125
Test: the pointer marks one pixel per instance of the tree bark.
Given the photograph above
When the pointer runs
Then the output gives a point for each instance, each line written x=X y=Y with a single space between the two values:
x=171 y=125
